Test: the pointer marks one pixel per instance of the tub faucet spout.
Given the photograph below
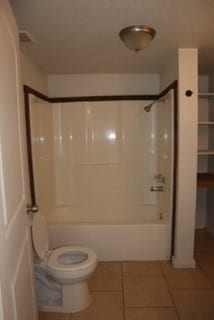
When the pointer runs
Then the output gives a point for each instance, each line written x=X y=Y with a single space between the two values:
x=157 y=188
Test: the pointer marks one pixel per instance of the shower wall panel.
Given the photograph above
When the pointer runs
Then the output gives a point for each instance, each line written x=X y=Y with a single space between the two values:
x=164 y=151
x=104 y=161
x=42 y=138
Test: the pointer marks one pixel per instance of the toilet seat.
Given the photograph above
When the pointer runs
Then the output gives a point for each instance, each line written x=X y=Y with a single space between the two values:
x=52 y=257
x=55 y=263
x=40 y=236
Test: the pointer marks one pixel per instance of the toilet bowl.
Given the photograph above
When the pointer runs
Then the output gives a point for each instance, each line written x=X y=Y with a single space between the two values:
x=68 y=266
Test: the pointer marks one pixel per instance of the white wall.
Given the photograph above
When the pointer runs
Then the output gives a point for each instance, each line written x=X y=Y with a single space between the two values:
x=32 y=75
x=42 y=137
x=102 y=84
x=183 y=66
x=170 y=72
x=187 y=158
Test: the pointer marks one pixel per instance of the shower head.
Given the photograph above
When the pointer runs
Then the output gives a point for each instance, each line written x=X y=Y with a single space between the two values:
x=148 y=108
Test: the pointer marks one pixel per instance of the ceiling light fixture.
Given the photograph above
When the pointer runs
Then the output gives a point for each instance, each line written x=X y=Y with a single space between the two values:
x=137 y=38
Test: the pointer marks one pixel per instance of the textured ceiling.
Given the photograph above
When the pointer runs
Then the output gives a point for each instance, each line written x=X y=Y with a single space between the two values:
x=81 y=36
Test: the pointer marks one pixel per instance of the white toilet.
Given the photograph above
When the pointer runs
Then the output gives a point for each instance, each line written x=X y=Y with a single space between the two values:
x=68 y=266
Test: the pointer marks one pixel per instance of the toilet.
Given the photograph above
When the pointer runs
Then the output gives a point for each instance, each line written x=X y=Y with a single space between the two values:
x=66 y=269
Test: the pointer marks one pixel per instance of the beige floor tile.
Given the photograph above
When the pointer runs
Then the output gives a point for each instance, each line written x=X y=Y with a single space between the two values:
x=151 y=314
x=141 y=269
x=210 y=277
x=53 y=316
x=194 y=304
x=146 y=291
x=107 y=277
x=206 y=261
x=184 y=278
x=104 y=306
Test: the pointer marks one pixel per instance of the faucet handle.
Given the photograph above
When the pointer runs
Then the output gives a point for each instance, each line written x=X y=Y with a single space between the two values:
x=163 y=180
x=160 y=178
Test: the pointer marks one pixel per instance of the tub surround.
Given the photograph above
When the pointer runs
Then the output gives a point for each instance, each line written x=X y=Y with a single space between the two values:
x=103 y=170
x=102 y=174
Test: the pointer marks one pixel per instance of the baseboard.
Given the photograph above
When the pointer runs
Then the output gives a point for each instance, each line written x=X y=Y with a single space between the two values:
x=183 y=263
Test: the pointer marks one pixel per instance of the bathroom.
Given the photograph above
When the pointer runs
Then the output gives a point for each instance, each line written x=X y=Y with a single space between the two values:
x=116 y=223
x=114 y=159
x=92 y=151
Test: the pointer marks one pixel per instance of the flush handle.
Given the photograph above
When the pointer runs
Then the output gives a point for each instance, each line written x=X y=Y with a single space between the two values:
x=32 y=208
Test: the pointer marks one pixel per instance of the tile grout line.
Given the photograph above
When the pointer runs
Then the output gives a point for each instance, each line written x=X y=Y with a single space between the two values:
x=123 y=293
x=206 y=275
x=170 y=293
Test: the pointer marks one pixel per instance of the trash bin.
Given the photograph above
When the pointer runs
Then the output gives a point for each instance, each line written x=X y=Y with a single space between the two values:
x=48 y=292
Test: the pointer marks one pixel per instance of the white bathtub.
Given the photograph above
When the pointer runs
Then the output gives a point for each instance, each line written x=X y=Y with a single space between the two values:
x=148 y=239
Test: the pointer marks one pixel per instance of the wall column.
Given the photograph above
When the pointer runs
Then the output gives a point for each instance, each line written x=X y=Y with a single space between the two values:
x=187 y=159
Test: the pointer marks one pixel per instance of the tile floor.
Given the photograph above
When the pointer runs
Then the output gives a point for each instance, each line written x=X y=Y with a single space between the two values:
x=151 y=290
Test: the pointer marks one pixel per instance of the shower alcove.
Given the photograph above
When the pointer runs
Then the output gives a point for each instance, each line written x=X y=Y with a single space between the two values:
x=102 y=171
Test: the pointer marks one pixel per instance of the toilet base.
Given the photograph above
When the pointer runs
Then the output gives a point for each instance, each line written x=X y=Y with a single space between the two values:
x=75 y=297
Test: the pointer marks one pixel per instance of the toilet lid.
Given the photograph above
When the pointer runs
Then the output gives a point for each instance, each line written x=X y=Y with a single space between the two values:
x=40 y=235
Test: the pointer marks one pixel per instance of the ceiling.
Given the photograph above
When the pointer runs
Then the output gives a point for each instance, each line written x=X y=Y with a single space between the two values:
x=81 y=36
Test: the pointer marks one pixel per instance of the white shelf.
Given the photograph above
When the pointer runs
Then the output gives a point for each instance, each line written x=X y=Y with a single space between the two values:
x=205 y=179
x=206 y=94
x=205 y=123
x=205 y=152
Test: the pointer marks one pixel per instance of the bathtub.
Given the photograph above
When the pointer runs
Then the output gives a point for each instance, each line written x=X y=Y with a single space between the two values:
x=148 y=238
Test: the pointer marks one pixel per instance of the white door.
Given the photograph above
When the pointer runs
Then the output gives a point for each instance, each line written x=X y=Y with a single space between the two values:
x=17 y=301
